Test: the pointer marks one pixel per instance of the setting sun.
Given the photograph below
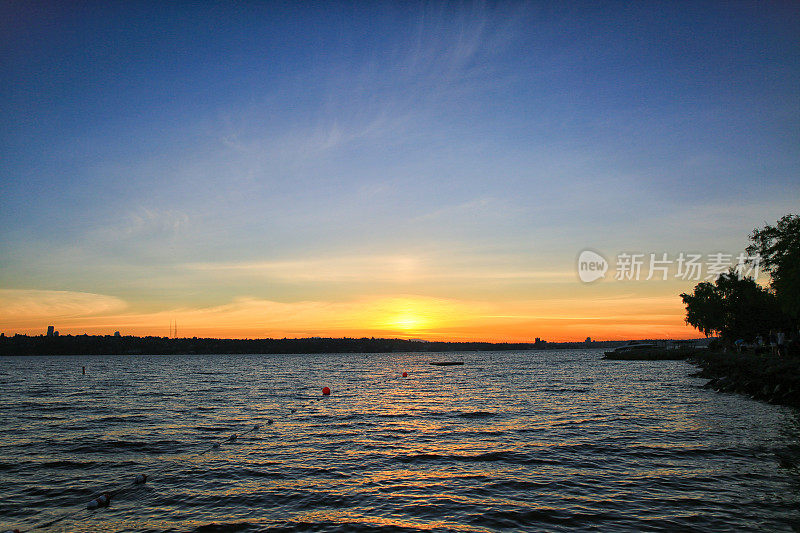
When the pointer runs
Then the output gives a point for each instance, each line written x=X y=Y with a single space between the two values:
x=408 y=321
x=408 y=314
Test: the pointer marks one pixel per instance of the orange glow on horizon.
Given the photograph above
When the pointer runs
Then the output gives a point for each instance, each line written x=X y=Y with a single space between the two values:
x=403 y=316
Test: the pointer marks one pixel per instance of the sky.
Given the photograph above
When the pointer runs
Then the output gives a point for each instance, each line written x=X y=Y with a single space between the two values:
x=394 y=169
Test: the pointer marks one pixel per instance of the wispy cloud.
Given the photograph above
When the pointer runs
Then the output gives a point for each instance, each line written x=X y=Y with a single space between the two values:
x=394 y=98
x=143 y=223
x=472 y=208
x=336 y=269
x=19 y=307
x=147 y=220
x=384 y=269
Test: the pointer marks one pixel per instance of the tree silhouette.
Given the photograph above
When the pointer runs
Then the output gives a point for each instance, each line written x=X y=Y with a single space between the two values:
x=779 y=248
x=733 y=307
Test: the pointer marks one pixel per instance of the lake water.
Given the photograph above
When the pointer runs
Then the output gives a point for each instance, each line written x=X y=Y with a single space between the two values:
x=538 y=441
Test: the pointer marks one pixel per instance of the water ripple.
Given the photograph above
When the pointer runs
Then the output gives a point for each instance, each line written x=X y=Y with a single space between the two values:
x=546 y=441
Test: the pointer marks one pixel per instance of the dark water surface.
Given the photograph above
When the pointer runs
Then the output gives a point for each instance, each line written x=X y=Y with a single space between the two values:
x=537 y=441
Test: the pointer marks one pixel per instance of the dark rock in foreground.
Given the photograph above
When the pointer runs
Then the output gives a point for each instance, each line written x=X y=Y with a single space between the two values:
x=767 y=378
x=762 y=377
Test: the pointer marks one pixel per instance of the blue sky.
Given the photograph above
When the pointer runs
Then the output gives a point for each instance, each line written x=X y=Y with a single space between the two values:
x=175 y=159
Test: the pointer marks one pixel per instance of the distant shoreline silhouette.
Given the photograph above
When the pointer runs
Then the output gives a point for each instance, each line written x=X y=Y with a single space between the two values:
x=132 y=345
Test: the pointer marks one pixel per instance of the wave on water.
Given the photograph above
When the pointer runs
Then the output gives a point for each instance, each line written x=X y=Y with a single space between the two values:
x=477 y=414
x=544 y=441
x=501 y=456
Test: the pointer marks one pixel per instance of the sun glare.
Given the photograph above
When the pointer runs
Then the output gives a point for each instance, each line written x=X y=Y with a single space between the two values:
x=406 y=315
x=407 y=321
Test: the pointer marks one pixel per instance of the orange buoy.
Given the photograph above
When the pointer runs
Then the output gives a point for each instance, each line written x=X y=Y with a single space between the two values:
x=405 y=374
x=326 y=391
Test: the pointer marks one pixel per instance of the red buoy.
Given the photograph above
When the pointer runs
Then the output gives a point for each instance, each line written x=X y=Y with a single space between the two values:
x=326 y=391
x=405 y=374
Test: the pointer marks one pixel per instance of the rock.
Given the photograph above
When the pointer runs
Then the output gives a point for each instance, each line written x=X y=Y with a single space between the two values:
x=772 y=379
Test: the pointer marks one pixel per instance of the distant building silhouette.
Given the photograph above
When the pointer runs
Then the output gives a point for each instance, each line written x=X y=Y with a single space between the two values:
x=50 y=330
x=588 y=340
x=116 y=334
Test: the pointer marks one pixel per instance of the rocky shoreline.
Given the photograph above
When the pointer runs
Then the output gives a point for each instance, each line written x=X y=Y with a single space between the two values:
x=762 y=377
x=767 y=378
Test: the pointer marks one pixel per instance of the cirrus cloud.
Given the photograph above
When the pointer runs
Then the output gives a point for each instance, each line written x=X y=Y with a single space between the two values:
x=19 y=306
